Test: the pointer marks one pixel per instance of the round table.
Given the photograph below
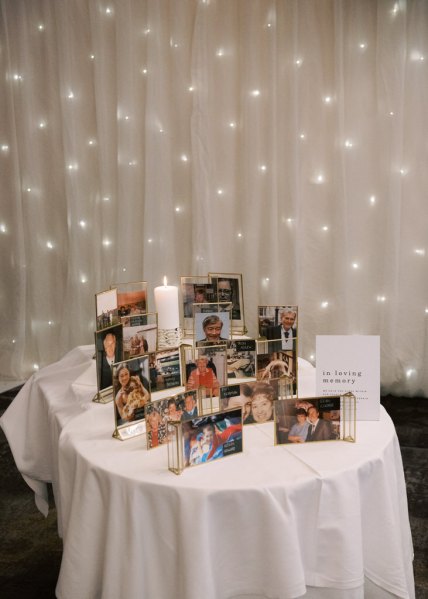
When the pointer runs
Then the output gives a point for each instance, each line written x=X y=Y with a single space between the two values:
x=324 y=519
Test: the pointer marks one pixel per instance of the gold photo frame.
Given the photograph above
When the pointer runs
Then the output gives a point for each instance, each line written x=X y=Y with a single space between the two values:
x=203 y=440
x=131 y=395
x=229 y=288
x=106 y=309
x=311 y=419
x=194 y=289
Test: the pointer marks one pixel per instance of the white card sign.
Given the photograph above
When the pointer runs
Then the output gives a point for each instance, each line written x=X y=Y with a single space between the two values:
x=350 y=363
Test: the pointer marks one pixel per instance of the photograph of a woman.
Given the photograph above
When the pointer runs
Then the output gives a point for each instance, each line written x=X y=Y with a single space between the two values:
x=130 y=394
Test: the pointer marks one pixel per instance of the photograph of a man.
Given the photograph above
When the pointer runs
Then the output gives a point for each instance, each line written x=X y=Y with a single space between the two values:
x=227 y=291
x=190 y=407
x=212 y=328
x=319 y=430
x=109 y=346
x=286 y=331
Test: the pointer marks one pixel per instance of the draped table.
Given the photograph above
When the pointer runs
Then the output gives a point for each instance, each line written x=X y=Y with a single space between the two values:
x=322 y=519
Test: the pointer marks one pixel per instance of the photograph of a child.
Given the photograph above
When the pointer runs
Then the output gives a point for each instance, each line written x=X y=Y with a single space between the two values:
x=213 y=437
x=131 y=390
x=312 y=419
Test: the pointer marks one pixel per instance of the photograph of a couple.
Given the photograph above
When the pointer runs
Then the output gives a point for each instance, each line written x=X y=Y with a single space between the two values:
x=306 y=420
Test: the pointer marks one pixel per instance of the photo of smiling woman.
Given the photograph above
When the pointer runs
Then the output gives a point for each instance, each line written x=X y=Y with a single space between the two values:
x=130 y=395
x=260 y=404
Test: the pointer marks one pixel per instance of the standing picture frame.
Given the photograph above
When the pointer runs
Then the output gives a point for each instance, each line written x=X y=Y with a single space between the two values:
x=260 y=397
x=272 y=363
x=165 y=369
x=140 y=334
x=194 y=289
x=229 y=288
x=241 y=358
x=209 y=369
x=203 y=440
x=156 y=417
x=108 y=351
x=279 y=323
x=131 y=395
x=132 y=298
x=325 y=418
x=106 y=309
x=212 y=324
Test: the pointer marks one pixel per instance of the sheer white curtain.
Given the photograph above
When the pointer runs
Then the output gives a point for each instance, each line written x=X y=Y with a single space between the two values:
x=285 y=140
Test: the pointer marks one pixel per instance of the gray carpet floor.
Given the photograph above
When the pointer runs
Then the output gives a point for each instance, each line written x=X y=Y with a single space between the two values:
x=30 y=550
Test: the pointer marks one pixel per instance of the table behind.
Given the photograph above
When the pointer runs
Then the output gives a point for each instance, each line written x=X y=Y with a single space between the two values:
x=321 y=519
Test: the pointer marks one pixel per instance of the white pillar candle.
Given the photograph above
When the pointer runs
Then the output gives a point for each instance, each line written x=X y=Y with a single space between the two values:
x=166 y=301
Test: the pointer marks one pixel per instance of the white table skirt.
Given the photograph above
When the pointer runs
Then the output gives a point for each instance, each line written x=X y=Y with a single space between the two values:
x=325 y=520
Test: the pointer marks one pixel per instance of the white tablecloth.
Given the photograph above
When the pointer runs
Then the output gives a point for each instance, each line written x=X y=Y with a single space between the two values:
x=316 y=520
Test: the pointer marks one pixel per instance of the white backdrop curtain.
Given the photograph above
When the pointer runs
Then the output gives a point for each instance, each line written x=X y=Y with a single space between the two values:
x=285 y=140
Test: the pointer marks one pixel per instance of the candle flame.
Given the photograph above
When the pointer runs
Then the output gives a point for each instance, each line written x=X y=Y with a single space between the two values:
x=165 y=281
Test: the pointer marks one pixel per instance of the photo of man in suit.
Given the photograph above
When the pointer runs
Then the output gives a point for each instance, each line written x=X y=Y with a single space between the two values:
x=319 y=430
x=286 y=332
x=109 y=344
